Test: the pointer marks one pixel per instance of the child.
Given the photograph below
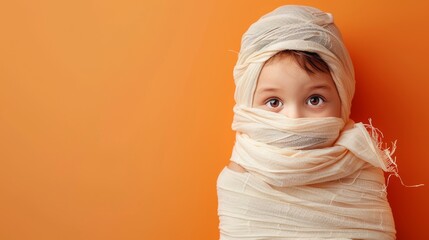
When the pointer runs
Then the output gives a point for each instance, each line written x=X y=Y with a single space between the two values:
x=300 y=167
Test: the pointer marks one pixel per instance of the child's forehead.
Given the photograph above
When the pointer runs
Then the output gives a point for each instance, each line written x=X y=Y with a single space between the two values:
x=309 y=61
x=286 y=73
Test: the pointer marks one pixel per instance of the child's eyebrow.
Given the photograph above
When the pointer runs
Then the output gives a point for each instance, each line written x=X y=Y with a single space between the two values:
x=267 y=89
x=321 y=86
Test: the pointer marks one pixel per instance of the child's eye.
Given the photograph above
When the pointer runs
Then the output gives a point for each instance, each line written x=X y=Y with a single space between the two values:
x=315 y=100
x=274 y=103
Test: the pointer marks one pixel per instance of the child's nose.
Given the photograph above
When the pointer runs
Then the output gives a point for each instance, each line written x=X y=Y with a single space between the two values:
x=292 y=111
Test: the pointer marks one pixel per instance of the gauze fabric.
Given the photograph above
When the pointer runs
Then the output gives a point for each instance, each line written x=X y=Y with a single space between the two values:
x=306 y=178
x=283 y=132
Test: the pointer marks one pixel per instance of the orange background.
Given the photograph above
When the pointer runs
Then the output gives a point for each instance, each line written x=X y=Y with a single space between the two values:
x=115 y=116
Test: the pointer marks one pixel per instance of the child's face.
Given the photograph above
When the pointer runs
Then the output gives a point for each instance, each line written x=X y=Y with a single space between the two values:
x=284 y=87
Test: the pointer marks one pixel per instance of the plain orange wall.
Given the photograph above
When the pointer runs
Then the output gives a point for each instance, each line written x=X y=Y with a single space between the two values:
x=115 y=116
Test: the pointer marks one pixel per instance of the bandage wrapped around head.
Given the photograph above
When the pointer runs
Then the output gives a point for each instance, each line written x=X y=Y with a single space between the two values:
x=294 y=28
